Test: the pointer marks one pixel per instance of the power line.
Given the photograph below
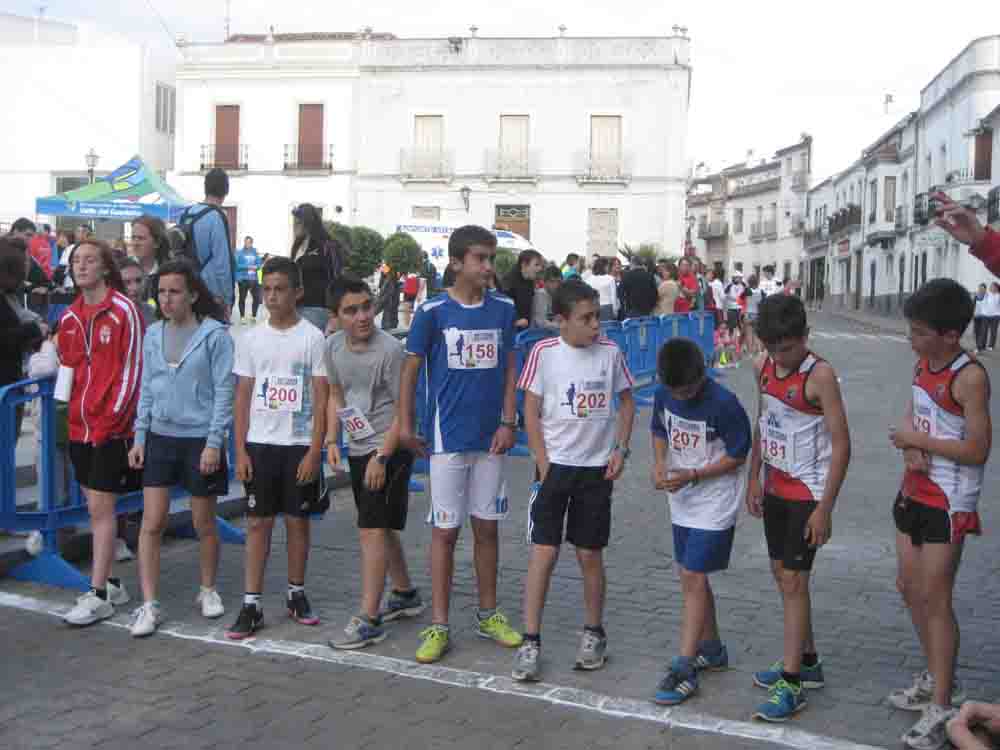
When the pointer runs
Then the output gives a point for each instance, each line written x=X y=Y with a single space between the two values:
x=163 y=23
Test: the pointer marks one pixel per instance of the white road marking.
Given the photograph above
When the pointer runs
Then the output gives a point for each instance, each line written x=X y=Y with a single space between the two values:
x=583 y=700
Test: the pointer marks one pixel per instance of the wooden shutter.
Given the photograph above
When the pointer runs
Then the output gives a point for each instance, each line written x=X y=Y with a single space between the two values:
x=428 y=145
x=513 y=145
x=227 y=136
x=606 y=145
x=311 y=136
x=889 y=198
x=984 y=156
x=602 y=232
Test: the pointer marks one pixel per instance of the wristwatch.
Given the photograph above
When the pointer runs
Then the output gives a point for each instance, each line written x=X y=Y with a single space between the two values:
x=624 y=450
x=381 y=459
x=512 y=423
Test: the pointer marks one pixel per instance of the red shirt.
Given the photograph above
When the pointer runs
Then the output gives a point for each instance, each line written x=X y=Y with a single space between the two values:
x=989 y=251
x=689 y=282
x=41 y=251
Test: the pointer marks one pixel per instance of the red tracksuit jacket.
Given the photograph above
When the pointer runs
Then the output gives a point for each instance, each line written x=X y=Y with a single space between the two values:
x=103 y=345
x=988 y=251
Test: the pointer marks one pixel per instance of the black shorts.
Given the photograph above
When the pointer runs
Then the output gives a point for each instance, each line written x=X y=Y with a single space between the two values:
x=927 y=525
x=176 y=462
x=385 y=508
x=275 y=487
x=580 y=498
x=104 y=467
x=733 y=320
x=785 y=530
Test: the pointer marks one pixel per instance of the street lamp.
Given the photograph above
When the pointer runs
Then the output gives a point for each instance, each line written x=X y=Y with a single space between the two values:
x=688 y=245
x=465 y=192
x=91 y=158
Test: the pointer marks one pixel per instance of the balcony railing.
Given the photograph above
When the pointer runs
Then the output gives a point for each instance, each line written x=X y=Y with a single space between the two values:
x=501 y=166
x=796 y=225
x=800 y=180
x=920 y=216
x=416 y=164
x=710 y=230
x=308 y=157
x=845 y=221
x=603 y=169
x=231 y=156
x=902 y=223
x=701 y=199
x=993 y=206
x=757 y=187
x=816 y=236
x=761 y=230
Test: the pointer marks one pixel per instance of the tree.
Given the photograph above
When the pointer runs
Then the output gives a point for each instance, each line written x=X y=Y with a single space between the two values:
x=403 y=254
x=341 y=233
x=367 y=247
x=505 y=260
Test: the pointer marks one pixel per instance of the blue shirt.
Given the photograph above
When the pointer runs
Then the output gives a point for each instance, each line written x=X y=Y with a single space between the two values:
x=247 y=263
x=465 y=351
x=214 y=253
x=718 y=407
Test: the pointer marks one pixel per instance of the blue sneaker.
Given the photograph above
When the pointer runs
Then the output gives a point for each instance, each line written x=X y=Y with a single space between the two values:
x=677 y=685
x=786 y=700
x=715 y=663
x=812 y=677
x=359 y=633
x=402 y=605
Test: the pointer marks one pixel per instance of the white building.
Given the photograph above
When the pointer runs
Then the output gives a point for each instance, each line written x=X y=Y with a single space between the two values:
x=70 y=88
x=870 y=221
x=577 y=143
x=752 y=215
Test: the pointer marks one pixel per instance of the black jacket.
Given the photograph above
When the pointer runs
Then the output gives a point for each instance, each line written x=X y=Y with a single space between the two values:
x=16 y=340
x=522 y=291
x=639 y=292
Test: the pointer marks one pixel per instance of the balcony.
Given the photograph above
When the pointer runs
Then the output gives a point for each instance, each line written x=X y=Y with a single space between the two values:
x=425 y=165
x=796 y=225
x=505 y=167
x=712 y=230
x=764 y=230
x=305 y=157
x=993 y=206
x=763 y=186
x=920 y=216
x=701 y=199
x=846 y=221
x=901 y=223
x=604 y=170
x=229 y=156
x=815 y=237
x=800 y=180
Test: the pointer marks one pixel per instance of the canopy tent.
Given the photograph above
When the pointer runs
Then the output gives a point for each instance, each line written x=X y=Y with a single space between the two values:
x=127 y=193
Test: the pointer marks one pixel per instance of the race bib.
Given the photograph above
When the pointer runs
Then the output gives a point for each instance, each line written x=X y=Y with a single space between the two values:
x=355 y=423
x=688 y=441
x=586 y=399
x=925 y=418
x=777 y=448
x=472 y=350
x=279 y=393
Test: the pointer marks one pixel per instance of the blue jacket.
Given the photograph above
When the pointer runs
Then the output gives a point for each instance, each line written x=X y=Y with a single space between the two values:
x=247 y=263
x=214 y=253
x=195 y=399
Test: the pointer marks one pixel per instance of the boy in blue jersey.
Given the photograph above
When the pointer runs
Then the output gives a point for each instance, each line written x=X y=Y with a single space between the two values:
x=701 y=439
x=465 y=337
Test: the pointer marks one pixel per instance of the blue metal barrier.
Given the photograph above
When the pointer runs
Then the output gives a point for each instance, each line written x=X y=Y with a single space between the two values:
x=642 y=345
x=56 y=511
x=523 y=345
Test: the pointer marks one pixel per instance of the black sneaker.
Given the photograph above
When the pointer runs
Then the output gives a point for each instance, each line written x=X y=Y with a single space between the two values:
x=246 y=624
x=299 y=609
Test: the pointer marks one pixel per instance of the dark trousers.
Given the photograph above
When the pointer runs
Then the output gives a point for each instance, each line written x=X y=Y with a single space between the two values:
x=991 y=328
x=254 y=288
x=980 y=326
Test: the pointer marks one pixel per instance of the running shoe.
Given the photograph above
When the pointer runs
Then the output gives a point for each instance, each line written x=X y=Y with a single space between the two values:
x=122 y=551
x=812 y=677
x=90 y=608
x=920 y=694
x=117 y=594
x=592 y=652
x=715 y=663
x=247 y=622
x=785 y=701
x=931 y=732
x=300 y=610
x=211 y=604
x=496 y=628
x=359 y=633
x=435 y=643
x=402 y=605
x=526 y=666
x=677 y=685
x=146 y=619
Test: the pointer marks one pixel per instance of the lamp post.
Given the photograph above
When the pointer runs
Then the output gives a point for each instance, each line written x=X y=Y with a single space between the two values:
x=91 y=158
x=466 y=192
x=688 y=245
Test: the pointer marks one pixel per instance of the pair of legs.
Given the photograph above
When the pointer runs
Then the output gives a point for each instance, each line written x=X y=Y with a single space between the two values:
x=259 y=549
x=992 y=323
x=698 y=622
x=253 y=289
x=980 y=327
x=926 y=580
x=798 y=639
x=156 y=508
x=103 y=529
x=540 y=566
x=381 y=553
x=486 y=555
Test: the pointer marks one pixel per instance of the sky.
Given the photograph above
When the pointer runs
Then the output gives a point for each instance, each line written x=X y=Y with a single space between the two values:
x=763 y=73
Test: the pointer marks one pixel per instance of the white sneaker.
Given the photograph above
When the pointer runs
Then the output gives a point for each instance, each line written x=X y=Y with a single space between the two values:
x=211 y=604
x=90 y=608
x=118 y=595
x=146 y=619
x=122 y=552
x=920 y=694
x=931 y=732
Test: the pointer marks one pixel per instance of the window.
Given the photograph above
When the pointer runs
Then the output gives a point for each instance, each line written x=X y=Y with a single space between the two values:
x=788 y=166
x=982 y=159
x=872 y=199
x=787 y=272
x=738 y=221
x=428 y=134
x=606 y=145
x=513 y=145
x=166 y=108
x=889 y=199
x=310 y=144
x=426 y=213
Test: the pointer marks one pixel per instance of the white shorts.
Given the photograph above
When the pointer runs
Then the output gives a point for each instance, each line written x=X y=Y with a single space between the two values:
x=466 y=484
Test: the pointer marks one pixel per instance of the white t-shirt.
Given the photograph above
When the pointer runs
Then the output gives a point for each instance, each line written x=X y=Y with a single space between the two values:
x=770 y=286
x=736 y=290
x=282 y=364
x=577 y=386
x=719 y=292
x=991 y=305
x=606 y=288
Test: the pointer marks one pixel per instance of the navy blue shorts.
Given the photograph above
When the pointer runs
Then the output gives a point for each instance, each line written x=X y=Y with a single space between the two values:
x=701 y=550
x=176 y=462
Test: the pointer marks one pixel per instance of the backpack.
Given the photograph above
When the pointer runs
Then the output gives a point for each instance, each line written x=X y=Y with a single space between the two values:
x=182 y=236
x=411 y=287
